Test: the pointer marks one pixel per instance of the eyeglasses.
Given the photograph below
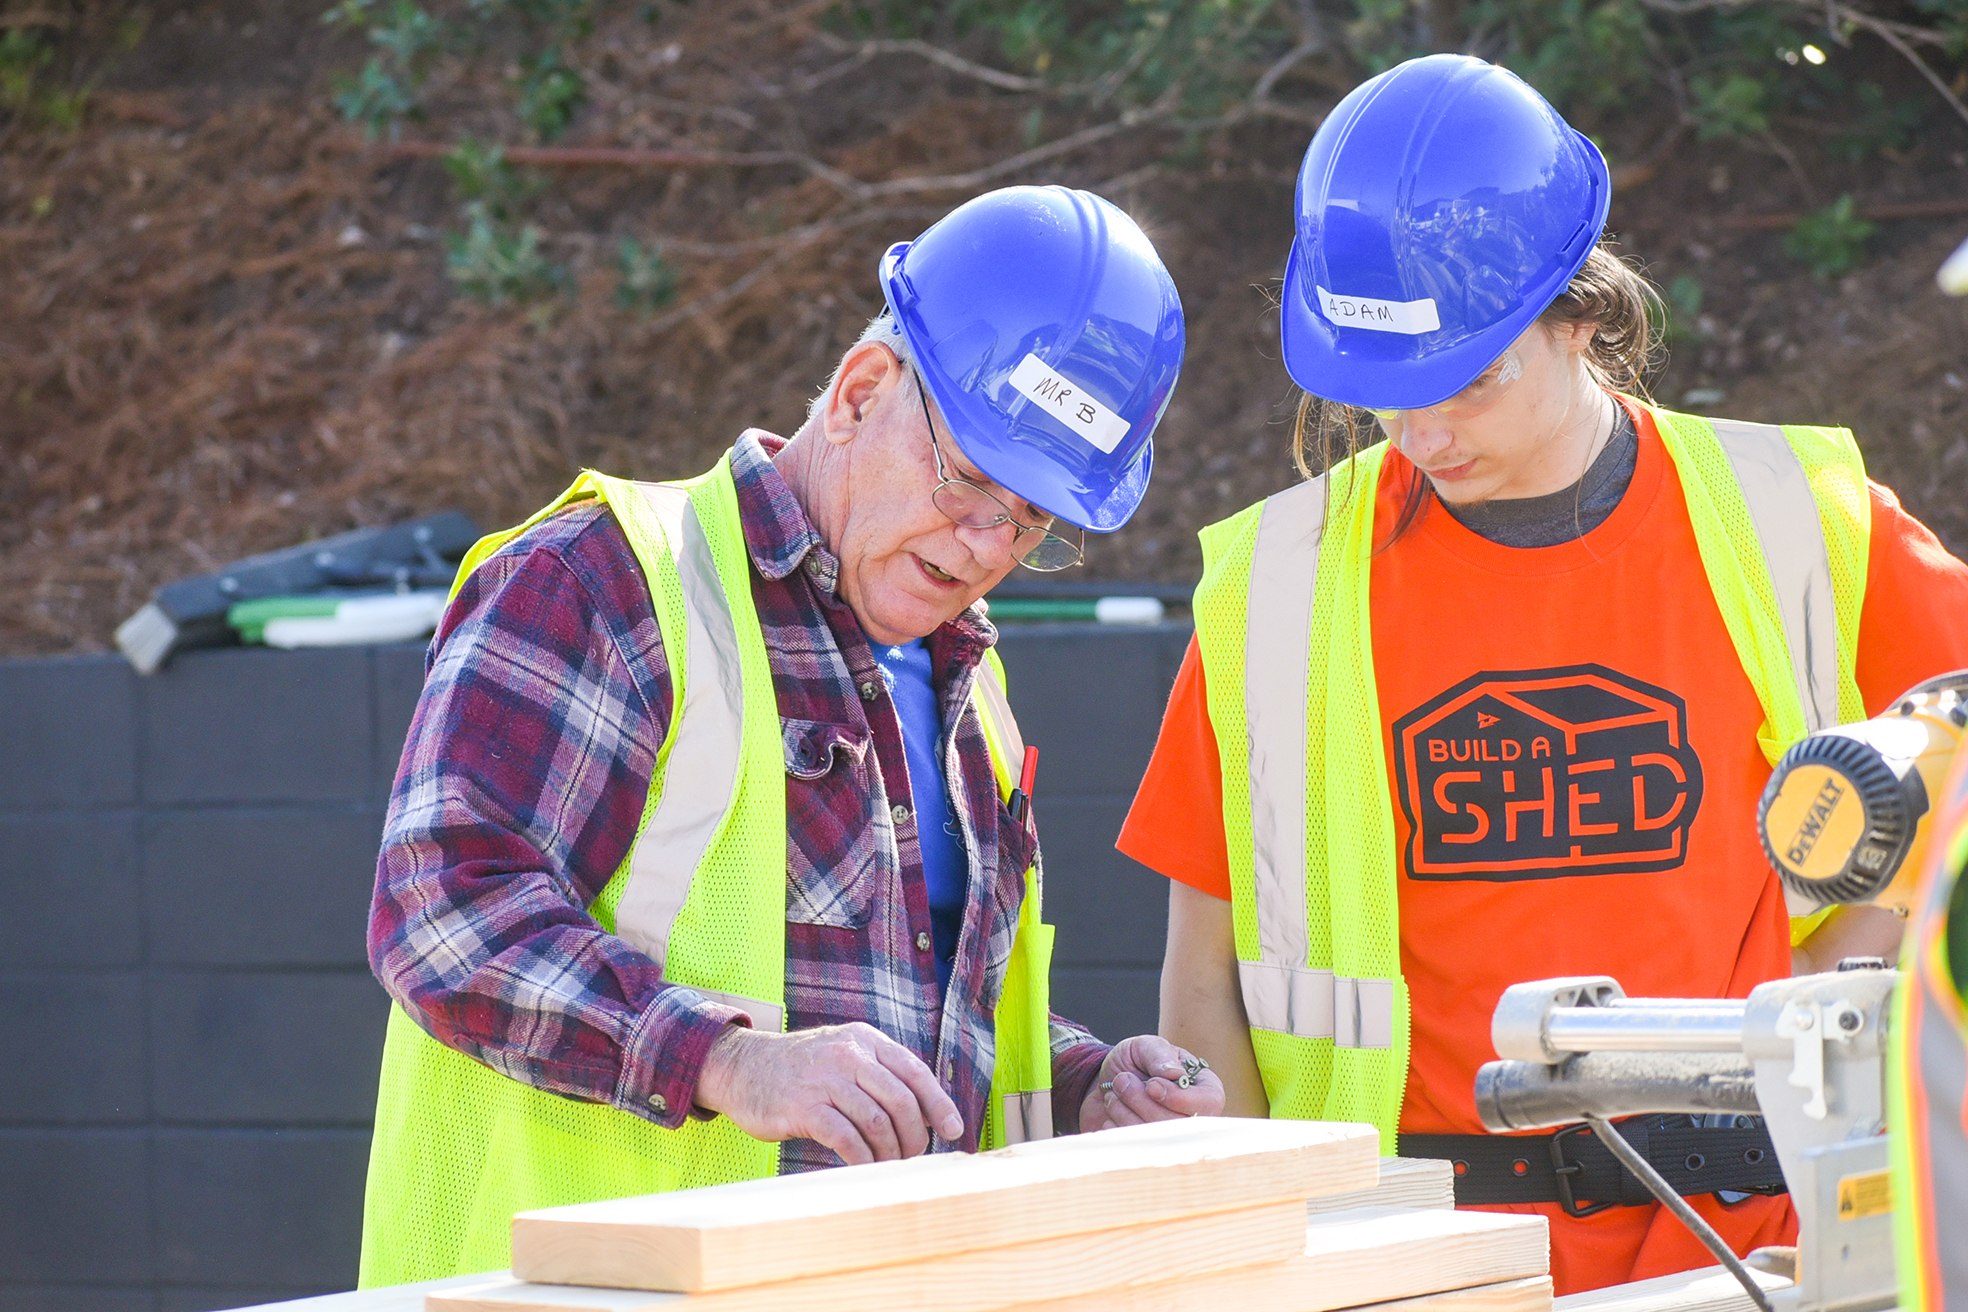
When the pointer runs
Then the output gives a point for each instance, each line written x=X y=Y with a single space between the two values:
x=1035 y=547
x=1487 y=389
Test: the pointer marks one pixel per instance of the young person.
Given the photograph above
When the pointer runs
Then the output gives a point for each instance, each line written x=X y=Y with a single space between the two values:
x=1493 y=699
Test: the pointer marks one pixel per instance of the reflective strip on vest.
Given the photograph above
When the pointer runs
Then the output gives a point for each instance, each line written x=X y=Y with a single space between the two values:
x=1280 y=991
x=1027 y=1116
x=1002 y=726
x=1786 y=518
x=709 y=735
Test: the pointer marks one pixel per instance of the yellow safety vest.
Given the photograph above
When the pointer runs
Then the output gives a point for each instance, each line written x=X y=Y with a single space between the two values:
x=459 y=1148
x=1782 y=520
x=1927 y=1076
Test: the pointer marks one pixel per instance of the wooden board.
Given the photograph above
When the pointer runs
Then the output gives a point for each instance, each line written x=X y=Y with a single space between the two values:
x=889 y=1212
x=383 y=1298
x=1531 y=1294
x=1705 y=1289
x=986 y=1278
x=1371 y=1255
x=1404 y=1182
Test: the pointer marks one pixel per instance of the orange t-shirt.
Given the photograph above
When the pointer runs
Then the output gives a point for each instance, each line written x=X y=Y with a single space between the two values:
x=1572 y=748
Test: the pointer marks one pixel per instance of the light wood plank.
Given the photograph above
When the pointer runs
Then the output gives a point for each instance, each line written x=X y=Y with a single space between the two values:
x=973 y=1281
x=1531 y=1294
x=1371 y=1255
x=867 y=1216
x=1404 y=1182
x=1705 y=1289
x=384 y=1298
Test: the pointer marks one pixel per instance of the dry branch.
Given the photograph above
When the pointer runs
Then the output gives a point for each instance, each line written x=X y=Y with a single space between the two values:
x=1892 y=35
x=862 y=51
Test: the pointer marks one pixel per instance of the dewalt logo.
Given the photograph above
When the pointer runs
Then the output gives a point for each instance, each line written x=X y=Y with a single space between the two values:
x=1536 y=774
x=1820 y=810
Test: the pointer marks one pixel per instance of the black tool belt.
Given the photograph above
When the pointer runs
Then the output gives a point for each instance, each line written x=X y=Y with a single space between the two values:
x=1572 y=1168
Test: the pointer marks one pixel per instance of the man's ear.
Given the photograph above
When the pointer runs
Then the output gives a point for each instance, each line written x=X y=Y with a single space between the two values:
x=869 y=375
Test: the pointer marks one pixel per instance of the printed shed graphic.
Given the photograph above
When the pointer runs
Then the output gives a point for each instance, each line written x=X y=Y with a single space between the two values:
x=1536 y=774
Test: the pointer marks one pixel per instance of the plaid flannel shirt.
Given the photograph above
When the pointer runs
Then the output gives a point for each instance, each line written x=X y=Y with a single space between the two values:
x=524 y=777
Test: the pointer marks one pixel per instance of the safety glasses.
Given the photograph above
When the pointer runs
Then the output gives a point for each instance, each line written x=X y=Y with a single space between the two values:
x=1489 y=387
x=1036 y=546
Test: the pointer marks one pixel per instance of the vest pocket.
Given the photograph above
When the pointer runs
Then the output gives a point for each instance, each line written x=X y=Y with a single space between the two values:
x=814 y=748
x=833 y=871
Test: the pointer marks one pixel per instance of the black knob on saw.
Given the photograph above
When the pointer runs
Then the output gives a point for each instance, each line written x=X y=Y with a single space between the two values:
x=1839 y=814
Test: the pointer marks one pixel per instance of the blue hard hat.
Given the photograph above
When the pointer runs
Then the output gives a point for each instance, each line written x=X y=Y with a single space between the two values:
x=1050 y=336
x=1442 y=205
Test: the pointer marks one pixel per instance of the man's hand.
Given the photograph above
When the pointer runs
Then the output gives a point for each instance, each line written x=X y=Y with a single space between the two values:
x=848 y=1087
x=1138 y=1083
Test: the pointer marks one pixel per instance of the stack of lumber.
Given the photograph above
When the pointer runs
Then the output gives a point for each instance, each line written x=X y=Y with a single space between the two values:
x=1706 y=1289
x=1176 y=1216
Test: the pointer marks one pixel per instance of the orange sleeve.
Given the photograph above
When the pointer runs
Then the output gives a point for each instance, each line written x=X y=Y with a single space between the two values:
x=1915 y=621
x=1175 y=826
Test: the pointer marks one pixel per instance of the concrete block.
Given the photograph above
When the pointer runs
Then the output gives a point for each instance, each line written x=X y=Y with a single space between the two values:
x=253 y=724
x=1113 y=1002
x=399 y=681
x=1090 y=697
x=267 y=1049
x=76 y=1048
x=77 y=1298
x=261 y=887
x=1109 y=910
x=70 y=883
x=75 y=1207
x=70 y=728
x=260 y=1207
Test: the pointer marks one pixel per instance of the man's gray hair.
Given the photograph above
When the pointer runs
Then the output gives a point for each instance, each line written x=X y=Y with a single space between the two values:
x=881 y=329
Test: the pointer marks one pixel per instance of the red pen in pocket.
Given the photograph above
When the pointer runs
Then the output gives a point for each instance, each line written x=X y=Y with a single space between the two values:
x=1020 y=800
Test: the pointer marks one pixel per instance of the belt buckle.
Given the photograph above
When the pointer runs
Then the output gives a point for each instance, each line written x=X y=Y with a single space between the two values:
x=1564 y=1171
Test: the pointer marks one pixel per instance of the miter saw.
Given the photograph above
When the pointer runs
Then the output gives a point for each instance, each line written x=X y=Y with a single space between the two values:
x=1844 y=821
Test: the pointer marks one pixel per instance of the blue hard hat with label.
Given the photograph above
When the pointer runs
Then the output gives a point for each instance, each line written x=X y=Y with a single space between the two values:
x=1050 y=336
x=1441 y=207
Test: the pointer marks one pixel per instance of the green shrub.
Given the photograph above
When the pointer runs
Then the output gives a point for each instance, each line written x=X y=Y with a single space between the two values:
x=1732 y=106
x=499 y=266
x=647 y=281
x=1832 y=240
x=549 y=93
x=24 y=53
x=1874 y=123
x=1683 y=300
x=481 y=173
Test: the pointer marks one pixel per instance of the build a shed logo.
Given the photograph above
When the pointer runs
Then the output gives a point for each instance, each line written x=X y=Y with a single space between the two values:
x=1533 y=774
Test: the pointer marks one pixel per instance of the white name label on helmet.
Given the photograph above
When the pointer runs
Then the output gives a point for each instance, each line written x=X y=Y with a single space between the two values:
x=1069 y=403
x=1410 y=317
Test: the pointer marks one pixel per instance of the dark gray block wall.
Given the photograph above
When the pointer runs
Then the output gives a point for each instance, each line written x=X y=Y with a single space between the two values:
x=190 y=1028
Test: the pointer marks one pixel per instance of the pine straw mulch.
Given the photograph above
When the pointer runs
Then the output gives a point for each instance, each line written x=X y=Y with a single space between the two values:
x=225 y=326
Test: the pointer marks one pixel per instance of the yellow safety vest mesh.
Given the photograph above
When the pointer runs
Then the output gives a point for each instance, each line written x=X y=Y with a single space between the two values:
x=459 y=1148
x=1352 y=863
x=1927 y=1083
x=1023 y=1015
x=1733 y=560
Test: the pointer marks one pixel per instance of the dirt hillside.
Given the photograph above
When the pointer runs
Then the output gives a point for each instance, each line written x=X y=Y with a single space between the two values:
x=226 y=323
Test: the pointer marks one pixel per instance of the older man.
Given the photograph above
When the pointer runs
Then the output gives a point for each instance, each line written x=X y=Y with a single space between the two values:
x=705 y=857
